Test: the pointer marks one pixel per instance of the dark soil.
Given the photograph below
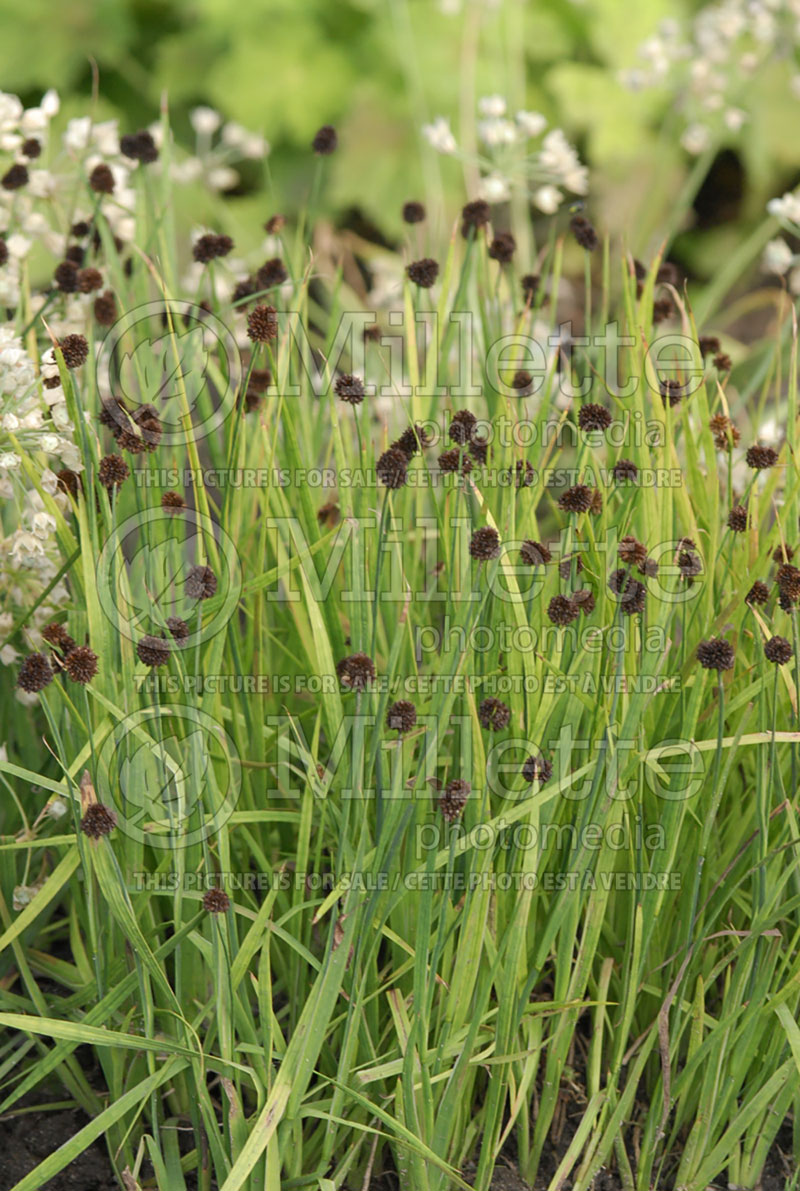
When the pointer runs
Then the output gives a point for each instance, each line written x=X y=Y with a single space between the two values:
x=28 y=1138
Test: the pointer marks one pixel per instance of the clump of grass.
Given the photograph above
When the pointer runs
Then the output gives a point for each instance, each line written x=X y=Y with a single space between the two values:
x=408 y=806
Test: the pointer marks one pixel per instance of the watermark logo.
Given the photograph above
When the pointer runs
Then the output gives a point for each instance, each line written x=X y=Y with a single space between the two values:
x=145 y=576
x=174 y=774
x=178 y=358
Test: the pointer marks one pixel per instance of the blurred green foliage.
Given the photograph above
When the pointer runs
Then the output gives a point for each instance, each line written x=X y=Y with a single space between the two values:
x=377 y=69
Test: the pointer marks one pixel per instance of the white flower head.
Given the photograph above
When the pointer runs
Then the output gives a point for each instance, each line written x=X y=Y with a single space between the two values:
x=205 y=121
x=777 y=257
x=494 y=188
x=439 y=135
x=696 y=138
x=492 y=106
x=531 y=123
x=548 y=199
x=786 y=208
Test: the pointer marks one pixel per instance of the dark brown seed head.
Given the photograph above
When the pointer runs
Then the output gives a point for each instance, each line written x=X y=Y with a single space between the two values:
x=402 y=715
x=325 y=141
x=778 y=650
x=474 y=215
x=81 y=664
x=494 y=714
x=534 y=554
x=392 y=468
x=98 y=820
x=15 y=177
x=210 y=246
x=262 y=324
x=66 y=277
x=216 y=901
x=760 y=458
x=672 y=391
x=423 y=272
x=372 y=333
x=632 y=551
x=662 y=310
x=243 y=290
x=502 y=248
x=537 y=769
x=485 y=544
x=201 y=583
x=783 y=553
x=715 y=654
x=562 y=610
x=275 y=224
x=632 y=593
x=461 y=427
x=3 y=251
x=689 y=564
x=105 y=309
x=454 y=798
x=35 y=673
x=593 y=417
x=455 y=460
x=725 y=433
x=668 y=274
x=75 y=350
x=479 y=450
x=723 y=362
x=329 y=514
x=179 y=629
x=577 y=499
x=139 y=146
x=572 y=563
x=584 y=232
x=624 y=471
x=412 y=440
x=272 y=272
x=413 y=212
x=356 y=672
x=89 y=280
x=584 y=600
x=530 y=287
x=788 y=578
x=56 y=634
x=113 y=471
x=101 y=179
x=68 y=481
x=737 y=519
x=114 y=415
x=524 y=475
x=708 y=344
x=172 y=502
x=349 y=388
x=31 y=148
x=758 y=593
x=522 y=382
x=153 y=651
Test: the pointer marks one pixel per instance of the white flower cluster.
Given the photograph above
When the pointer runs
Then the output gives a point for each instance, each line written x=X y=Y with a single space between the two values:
x=510 y=161
x=778 y=257
x=212 y=160
x=709 y=66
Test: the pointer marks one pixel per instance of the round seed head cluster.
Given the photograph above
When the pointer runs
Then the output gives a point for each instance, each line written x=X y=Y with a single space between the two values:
x=715 y=654
x=494 y=714
x=453 y=799
x=356 y=672
x=98 y=820
x=485 y=544
x=401 y=716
